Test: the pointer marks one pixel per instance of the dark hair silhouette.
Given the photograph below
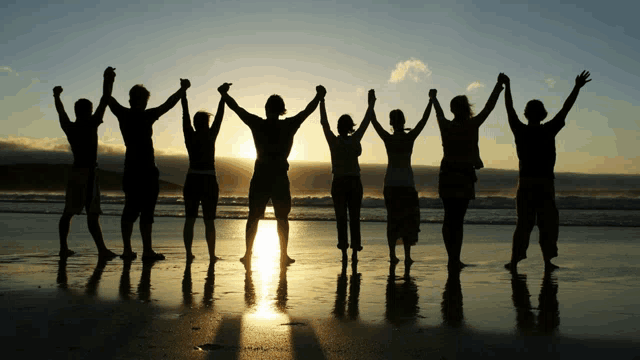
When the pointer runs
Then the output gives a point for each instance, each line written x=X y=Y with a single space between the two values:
x=201 y=120
x=275 y=104
x=83 y=108
x=535 y=111
x=139 y=96
x=397 y=121
x=461 y=108
x=345 y=125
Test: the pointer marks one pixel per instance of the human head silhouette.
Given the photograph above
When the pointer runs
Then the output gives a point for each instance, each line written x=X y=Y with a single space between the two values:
x=396 y=119
x=275 y=106
x=461 y=108
x=201 y=120
x=138 y=97
x=345 y=125
x=535 y=111
x=83 y=109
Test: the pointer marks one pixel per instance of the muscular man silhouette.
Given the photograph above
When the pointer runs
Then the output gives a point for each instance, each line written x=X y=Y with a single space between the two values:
x=273 y=140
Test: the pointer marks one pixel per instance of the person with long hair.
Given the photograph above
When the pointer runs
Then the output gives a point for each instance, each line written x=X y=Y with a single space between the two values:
x=201 y=185
x=457 y=178
x=400 y=195
x=346 y=188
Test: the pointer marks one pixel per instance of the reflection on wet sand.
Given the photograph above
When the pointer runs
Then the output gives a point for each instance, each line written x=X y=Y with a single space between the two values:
x=401 y=297
x=94 y=280
x=209 y=281
x=124 y=288
x=144 y=287
x=62 y=280
x=341 y=302
x=451 y=306
x=187 y=285
x=548 y=318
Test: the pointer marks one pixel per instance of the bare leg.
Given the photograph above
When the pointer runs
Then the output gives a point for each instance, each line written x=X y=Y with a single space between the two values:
x=127 y=230
x=407 y=253
x=63 y=230
x=93 y=223
x=283 y=235
x=392 y=248
x=354 y=256
x=147 y=248
x=187 y=234
x=251 y=230
x=210 y=235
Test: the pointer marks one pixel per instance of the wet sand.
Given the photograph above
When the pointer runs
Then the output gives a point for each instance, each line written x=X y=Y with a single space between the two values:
x=315 y=308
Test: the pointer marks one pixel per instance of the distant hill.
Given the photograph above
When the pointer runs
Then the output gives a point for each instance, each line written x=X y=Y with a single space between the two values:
x=50 y=177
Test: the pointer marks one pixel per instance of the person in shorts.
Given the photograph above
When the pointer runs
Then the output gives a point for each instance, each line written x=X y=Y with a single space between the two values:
x=141 y=176
x=535 y=197
x=273 y=139
x=83 y=189
x=201 y=186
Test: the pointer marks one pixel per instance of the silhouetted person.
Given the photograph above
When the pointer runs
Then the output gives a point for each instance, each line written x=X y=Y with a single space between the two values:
x=141 y=176
x=346 y=188
x=401 y=306
x=400 y=195
x=535 y=198
x=456 y=183
x=273 y=140
x=83 y=189
x=451 y=306
x=201 y=185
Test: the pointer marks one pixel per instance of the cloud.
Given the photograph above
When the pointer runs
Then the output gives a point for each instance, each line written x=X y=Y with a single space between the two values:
x=360 y=91
x=413 y=68
x=474 y=85
x=550 y=82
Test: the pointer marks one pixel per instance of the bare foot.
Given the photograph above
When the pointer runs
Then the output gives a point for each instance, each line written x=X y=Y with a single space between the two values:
x=190 y=256
x=152 y=256
x=511 y=266
x=408 y=261
x=106 y=254
x=548 y=266
x=394 y=259
x=246 y=259
x=213 y=258
x=354 y=256
x=345 y=257
x=66 y=253
x=129 y=255
x=286 y=260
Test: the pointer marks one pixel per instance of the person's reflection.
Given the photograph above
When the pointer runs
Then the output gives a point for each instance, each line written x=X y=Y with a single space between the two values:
x=525 y=319
x=187 y=287
x=62 y=280
x=451 y=307
x=124 y=288
x=354 y=292
x=249 y=289
x=207 y=300
x=281 y=292
x=549 y=315
x=94 y=280
x=341 y=293
x=144 y=287
x=401 y=298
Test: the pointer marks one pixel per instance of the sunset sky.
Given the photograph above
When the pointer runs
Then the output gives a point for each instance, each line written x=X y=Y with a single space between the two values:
x=263 y=47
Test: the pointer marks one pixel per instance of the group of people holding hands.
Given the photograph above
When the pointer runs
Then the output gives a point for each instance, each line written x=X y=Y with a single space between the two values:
x=273 y=137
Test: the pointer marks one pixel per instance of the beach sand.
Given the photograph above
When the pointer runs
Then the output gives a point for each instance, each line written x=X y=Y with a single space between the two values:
x=315 y=308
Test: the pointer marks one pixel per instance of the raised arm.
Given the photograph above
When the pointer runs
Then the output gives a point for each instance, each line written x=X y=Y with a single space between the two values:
x=512 y=116
x=107 y=88
x=439 y=113
x=425 y=116
x=246 y=117
x=581 y=80
x=173 y=99
x=324 y=121
x=376 y=125
x=217 y=120
x=491 y=103
x=367 y=116
x=62 y=115
x=304 y=114
x=187 y=128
